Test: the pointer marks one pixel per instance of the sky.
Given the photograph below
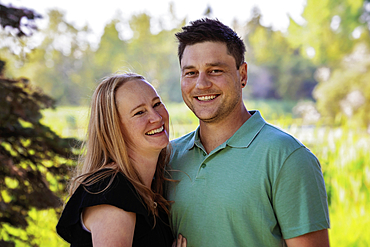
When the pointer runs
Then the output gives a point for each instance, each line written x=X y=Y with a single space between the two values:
x=98 y=13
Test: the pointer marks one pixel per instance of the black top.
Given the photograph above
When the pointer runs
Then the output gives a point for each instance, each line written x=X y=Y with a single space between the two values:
x=122 y=194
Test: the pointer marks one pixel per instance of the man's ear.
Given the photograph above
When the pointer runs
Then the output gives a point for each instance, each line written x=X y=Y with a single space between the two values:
x=243 y=71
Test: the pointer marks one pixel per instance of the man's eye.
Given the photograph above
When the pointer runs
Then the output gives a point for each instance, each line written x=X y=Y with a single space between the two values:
x=190 y=73
x=215 y=71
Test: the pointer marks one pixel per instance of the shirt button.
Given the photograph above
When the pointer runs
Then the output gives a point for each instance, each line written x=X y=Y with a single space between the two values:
x=203 y=166
x=204 y=154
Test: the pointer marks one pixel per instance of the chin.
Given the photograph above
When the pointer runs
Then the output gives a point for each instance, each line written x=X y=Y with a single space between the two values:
x=164 y=145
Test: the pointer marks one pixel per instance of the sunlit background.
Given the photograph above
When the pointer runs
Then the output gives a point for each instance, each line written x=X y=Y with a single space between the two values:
x=308 y=74
x=97 y=15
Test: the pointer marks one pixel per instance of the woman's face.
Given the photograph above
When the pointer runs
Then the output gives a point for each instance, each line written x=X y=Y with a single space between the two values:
x=144 y=117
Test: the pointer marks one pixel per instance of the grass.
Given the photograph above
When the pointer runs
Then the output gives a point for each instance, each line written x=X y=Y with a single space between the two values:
x=70 y=121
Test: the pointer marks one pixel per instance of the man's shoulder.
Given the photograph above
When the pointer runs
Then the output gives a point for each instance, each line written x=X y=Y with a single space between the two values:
x=183 y=139
x=182 y=144
x=274 y=135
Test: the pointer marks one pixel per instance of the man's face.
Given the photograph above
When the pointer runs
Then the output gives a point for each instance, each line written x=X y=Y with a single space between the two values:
x=210 y=83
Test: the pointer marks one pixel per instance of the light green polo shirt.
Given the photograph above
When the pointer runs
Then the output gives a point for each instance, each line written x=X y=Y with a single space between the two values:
x=257 y=188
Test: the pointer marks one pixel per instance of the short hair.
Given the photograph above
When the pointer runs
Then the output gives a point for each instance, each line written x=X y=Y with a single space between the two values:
x=211 y=30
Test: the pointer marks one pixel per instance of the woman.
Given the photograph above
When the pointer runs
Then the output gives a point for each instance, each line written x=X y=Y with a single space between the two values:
x=116 y=197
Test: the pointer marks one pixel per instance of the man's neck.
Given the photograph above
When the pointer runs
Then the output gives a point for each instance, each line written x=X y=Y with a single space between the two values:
x=213 y=135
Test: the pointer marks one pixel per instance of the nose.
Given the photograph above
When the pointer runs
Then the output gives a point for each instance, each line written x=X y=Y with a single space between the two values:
x=203 y=81
x=154 y=116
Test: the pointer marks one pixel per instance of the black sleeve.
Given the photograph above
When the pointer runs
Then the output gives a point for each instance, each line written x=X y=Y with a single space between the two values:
x=120 y=193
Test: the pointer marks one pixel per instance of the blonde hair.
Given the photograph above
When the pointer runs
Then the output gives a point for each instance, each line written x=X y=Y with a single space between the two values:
x=105 y=145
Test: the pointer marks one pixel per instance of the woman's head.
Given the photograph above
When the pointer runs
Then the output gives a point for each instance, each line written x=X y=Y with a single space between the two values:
x=126 y=118
x=144 y=118
x=112 y=131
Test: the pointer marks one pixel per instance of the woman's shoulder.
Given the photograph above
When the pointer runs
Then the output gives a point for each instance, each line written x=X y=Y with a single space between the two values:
x=103 y=181
x=113 y=189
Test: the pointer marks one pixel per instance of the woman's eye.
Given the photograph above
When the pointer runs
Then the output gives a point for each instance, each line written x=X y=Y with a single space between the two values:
x=157 y=104
x=138 y=113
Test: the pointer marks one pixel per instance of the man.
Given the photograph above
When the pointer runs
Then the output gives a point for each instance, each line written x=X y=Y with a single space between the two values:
x=241 y=181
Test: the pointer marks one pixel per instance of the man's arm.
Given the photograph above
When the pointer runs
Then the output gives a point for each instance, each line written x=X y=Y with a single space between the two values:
x=312 y=239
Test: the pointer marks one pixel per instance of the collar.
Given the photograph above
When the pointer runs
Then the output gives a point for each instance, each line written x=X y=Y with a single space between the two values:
x=246 y=134
x=242 y=138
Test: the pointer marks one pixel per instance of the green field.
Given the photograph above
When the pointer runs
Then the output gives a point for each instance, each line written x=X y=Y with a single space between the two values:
x=342 y=151
x=72 y=121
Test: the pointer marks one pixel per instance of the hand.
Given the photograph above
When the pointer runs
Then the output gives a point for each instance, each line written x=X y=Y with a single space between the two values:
x=180 y=241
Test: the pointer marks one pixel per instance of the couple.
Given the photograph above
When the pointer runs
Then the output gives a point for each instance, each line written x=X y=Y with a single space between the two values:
x=235 y=181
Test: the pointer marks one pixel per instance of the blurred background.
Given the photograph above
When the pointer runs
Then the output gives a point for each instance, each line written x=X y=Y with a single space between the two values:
x=308 y=73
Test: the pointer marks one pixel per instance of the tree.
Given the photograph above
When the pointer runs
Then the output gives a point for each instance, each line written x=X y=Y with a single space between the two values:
x=328 y=31
x=341 y=54
x=11 y=17
x=34 y=161
x=14 y=34
x=150 y=54
x=63 y=63
x=279 y=70
x=111 y=53
x=67 y=68
x=345 y=97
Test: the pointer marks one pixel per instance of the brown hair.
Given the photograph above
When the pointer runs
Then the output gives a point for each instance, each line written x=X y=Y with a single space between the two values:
x=106 y=145
x=211 y=30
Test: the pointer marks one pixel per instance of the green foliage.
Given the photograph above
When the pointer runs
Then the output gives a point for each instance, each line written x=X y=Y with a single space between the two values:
x=111 y=54
x=345 y=97
x=72 y=121
x=11 y=17
x=152 y=55
x=280 y=66
x=62 y=63
x=328 y=29
x=67 y=121
x=42 y=225
x=345 y=160
x=39 y=232
x=66 y=67
x=289 y=74
x=182 y=120
x=341 y=60
x=34 y=160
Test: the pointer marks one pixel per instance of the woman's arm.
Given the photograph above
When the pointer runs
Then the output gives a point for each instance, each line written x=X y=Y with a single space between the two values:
x=109 y=225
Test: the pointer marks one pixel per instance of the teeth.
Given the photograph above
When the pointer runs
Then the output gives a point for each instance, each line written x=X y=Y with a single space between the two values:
x=206 y=98
x=152 y=132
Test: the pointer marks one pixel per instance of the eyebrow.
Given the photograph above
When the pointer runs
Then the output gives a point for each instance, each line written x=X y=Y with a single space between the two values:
x=187 y=67
x=220 y=64
x=141 y=105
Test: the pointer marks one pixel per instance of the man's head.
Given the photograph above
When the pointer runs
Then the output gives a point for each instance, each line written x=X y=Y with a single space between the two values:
x=210 y=30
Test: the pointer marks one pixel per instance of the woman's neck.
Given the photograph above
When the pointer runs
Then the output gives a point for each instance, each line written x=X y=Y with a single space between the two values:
x=146 y=166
